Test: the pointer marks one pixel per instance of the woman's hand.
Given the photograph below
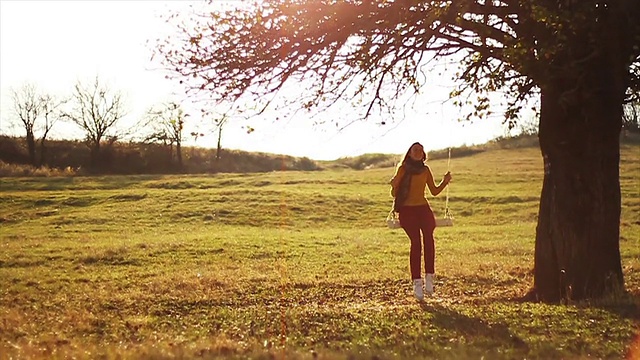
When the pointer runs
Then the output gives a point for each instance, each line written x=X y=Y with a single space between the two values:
x=447 y=177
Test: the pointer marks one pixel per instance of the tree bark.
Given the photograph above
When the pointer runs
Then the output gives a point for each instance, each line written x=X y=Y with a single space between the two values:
x=577 y=251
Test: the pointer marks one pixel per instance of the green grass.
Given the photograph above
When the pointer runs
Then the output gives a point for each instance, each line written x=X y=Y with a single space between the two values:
x=293 y=265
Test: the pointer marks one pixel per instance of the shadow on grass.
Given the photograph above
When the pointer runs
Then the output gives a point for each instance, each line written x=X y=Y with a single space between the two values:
x=625 y=305
x=470 y=327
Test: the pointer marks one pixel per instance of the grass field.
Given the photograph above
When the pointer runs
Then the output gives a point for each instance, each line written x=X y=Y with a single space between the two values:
x=295 y=265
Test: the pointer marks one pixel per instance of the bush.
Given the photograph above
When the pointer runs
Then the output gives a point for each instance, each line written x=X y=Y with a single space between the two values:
x=19 y=170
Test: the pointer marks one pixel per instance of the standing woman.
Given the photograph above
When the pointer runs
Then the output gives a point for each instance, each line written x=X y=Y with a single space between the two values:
x=408 y=186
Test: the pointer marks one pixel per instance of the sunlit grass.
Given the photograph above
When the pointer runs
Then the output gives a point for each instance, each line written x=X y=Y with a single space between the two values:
x=292 y=265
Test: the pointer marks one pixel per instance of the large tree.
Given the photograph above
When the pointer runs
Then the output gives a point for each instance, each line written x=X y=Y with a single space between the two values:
x=580 y=56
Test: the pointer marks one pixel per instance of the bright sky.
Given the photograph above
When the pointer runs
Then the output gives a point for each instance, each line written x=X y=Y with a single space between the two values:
x=53 y=44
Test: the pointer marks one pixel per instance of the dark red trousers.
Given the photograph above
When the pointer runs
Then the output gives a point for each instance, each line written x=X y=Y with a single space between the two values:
x=416 y=220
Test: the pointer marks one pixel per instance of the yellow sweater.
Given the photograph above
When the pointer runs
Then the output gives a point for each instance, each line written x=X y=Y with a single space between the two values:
x=417 y=187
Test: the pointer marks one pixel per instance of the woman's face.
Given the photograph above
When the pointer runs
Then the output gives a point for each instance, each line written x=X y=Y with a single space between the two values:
x=417 y=152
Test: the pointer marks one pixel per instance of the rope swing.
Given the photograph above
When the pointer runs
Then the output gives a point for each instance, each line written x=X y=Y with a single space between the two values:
x=447 y=220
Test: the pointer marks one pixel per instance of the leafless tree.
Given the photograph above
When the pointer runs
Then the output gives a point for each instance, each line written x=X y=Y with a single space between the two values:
x=50 y=114
x=166 y=122
x=96 y=110
x=27 y=107
x=37 y=112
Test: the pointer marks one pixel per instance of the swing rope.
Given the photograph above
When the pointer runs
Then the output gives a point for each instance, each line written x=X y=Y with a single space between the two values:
x=447 y=220
x=447 y=213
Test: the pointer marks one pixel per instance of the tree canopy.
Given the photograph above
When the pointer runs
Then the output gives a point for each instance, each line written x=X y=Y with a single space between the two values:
x=371 y=52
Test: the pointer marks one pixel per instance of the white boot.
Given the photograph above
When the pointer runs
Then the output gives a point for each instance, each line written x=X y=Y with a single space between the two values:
x=428 y=284
x=417 y=289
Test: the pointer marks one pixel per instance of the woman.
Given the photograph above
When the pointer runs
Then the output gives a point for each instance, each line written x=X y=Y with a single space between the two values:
x=408 y=189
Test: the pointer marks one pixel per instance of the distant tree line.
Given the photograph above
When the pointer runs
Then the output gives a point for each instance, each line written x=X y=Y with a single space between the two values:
x=97 y=110
x=154 y=144
x=147 y=158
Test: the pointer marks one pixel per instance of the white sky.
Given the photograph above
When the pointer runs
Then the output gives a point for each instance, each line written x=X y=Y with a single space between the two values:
x=53 y=44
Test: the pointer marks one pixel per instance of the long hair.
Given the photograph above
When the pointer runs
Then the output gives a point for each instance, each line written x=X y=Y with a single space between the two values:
x=407 y=157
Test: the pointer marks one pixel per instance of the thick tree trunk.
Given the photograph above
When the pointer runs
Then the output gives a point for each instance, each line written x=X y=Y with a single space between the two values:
x=577 y=253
